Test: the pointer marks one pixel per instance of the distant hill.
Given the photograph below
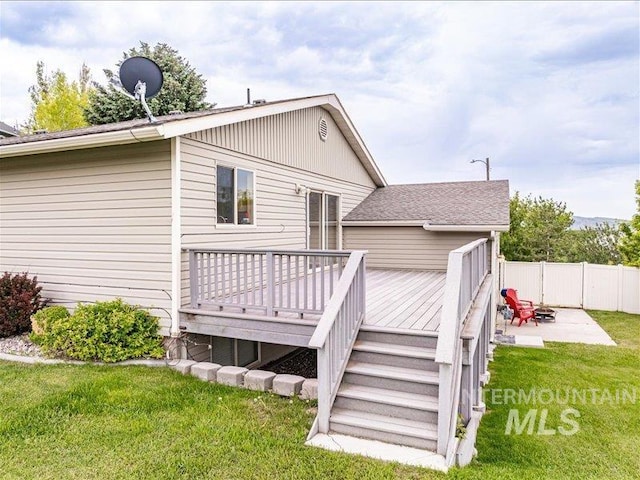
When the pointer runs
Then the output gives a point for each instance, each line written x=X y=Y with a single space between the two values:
x=580 y=222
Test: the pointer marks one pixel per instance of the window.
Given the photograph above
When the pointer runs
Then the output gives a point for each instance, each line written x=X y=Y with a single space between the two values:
x=229 y=351
x=235 y=196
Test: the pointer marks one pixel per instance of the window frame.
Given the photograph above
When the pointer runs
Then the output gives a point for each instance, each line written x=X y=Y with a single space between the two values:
x=234 y=169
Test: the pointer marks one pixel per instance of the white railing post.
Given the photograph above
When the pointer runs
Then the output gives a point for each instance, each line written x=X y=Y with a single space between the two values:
x=271 y=290
x=193 y=279
x=324 y=389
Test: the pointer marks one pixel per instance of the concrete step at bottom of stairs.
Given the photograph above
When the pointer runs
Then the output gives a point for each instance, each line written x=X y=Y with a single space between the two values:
x=400 y=431
x=392 y=403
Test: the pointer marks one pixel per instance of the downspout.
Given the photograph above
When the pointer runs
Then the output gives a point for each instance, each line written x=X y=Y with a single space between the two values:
x=176 y=234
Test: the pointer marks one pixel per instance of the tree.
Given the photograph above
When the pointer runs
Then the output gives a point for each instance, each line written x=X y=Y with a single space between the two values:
x=183 y=89
x=599 y=244
x=56 y=103
x=538 y=230
x=630 y=240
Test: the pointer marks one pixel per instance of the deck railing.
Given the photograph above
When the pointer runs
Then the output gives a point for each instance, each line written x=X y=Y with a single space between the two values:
x=336 y=333
x=264 y=281
x=466 y=271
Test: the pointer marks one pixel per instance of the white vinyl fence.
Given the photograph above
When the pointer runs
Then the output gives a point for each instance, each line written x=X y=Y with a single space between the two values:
x=579 y=285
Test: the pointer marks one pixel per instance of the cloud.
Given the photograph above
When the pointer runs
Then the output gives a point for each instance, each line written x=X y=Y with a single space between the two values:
x=547 y=90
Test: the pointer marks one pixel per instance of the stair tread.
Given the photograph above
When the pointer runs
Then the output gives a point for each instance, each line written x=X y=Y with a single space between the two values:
x=396 y=373
x=394 y=349
x=384 y=423
x=389 y=397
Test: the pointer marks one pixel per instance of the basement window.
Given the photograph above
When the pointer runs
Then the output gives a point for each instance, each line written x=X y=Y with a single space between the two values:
x=235 y=194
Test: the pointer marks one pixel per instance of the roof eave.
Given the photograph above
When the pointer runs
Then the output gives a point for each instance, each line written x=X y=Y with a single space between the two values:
x=382 y=223
x=120 y=137
x=354 y=139
x=426 y=225
x=465 y=228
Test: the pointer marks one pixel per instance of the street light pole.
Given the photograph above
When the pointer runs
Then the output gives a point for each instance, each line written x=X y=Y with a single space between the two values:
x=486 y=163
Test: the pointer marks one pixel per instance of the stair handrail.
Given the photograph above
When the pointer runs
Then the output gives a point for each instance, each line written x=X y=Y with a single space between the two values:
x=466 y=269
x=336 y=333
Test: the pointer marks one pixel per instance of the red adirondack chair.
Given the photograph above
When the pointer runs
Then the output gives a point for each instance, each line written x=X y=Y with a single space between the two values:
x=522 y=309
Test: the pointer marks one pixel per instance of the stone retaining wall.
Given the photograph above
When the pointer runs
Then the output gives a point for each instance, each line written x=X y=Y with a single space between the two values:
x=260 y=380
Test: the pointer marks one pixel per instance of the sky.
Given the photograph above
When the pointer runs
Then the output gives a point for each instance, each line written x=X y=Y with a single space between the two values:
x=549 y=91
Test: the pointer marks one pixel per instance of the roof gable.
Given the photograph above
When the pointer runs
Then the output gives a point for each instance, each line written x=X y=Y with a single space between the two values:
x=170 y=126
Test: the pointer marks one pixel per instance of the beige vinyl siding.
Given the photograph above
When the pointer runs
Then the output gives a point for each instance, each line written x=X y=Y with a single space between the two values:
x=292 y=139
x=406 y=247
x=280 y=212
x=92 y=224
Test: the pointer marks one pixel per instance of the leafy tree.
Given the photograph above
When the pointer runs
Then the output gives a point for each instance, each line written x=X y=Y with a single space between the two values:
x=183 y=89
x=630 y=241
x=538 y=230
x=599 y=244
x=56 y=103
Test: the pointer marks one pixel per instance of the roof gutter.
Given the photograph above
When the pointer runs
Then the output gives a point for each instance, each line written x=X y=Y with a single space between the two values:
x=382 y=223
x=121 y=137
x=465 y=228
x=426 y=225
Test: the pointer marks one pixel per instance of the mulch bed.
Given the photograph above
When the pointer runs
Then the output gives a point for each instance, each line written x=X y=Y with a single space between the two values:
x=303 y=362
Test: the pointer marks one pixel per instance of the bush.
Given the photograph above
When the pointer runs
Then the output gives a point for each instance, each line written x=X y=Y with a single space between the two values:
x=105 y=331
x=42 y=321
x=19 y=299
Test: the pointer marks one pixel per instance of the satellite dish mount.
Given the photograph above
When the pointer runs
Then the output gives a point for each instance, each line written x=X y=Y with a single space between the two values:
x=143 y=79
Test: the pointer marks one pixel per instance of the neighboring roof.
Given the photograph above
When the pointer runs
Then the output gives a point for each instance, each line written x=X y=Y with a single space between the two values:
x=7 y=131
x=452 y=204
x=169 y=126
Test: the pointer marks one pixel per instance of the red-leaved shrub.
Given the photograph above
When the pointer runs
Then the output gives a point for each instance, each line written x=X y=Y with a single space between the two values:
x=19 y=299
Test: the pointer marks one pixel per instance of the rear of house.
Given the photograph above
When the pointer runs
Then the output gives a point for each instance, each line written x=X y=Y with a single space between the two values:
x=254 y=230
x=109 y=211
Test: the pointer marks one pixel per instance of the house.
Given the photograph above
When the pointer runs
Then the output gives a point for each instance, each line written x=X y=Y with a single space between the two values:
x=246 y=230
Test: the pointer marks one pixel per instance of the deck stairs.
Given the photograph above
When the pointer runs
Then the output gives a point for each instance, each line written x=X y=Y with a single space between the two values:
x=389 y=391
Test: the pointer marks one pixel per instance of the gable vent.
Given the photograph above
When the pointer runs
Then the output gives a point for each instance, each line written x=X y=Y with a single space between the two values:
x=323 y=129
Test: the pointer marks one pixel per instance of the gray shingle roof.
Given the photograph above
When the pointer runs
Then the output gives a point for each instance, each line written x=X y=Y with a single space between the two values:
x=450 y=203
x=111 y=127
x=131 y=124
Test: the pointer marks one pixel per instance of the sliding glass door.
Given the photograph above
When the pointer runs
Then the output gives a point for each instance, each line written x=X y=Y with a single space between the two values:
x=323 y=214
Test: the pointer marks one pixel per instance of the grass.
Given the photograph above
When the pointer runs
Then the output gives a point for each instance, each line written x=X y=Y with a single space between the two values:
x=62 y=421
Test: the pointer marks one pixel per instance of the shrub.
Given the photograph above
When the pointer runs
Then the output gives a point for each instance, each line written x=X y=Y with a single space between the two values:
x=105 y=331
x=19 y=299
x=42 y=321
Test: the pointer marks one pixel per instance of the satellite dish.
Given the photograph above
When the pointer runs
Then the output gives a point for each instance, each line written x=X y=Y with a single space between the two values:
x=142 y=78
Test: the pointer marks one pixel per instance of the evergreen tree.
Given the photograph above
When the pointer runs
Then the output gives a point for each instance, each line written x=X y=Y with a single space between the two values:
x=538 y=230
x=183 y=89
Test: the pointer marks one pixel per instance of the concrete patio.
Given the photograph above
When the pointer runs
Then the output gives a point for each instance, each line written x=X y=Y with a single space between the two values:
x=571 y=326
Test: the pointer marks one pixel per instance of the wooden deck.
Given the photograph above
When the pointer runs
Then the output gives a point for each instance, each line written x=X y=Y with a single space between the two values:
x=404 y=299
x=396 y=299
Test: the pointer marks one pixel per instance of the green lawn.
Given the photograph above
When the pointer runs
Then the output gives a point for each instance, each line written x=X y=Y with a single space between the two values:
x=86 y=422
